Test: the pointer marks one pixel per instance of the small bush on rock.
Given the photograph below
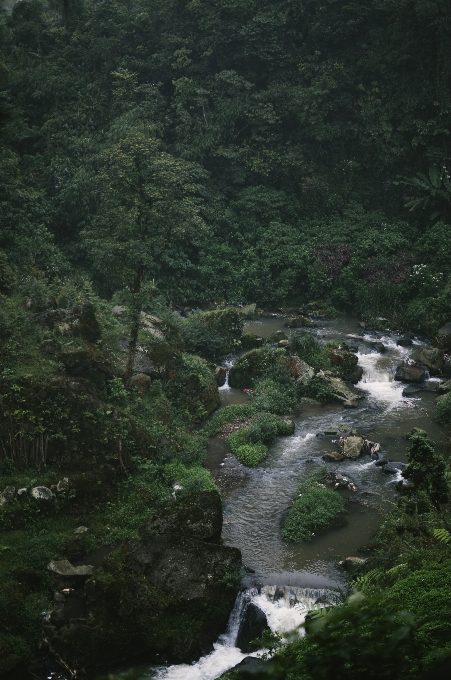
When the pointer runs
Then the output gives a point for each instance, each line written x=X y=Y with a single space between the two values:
x=313 y=510
x=251 y=454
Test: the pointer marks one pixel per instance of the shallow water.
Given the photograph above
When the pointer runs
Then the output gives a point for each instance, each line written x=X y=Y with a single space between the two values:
x=253 y=509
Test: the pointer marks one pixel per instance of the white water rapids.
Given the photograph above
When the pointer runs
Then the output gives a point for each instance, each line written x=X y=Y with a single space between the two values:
x=253 y=511
x=285 y=609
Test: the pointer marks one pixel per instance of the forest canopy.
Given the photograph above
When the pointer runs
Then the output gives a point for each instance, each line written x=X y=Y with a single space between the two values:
x=312 y=138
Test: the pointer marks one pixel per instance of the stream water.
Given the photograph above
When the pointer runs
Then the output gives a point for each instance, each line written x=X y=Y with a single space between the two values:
x=253 y=508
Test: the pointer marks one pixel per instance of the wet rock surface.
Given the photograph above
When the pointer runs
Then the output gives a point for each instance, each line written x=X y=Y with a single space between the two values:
x=253 y=625
x=409 y=371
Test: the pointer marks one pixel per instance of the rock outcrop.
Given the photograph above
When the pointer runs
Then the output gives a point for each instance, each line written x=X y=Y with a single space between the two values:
x=166 y=595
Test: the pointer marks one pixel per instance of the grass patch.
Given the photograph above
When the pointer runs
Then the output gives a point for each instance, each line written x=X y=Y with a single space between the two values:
x=249 y=443
x=312 y=510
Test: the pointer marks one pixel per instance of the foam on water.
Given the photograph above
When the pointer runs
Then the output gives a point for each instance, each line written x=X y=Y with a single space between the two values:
x=378 y=380
x=228 y=363
x=285 y=609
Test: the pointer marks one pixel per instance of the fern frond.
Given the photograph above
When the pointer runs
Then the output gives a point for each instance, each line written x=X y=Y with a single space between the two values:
x=442 y=535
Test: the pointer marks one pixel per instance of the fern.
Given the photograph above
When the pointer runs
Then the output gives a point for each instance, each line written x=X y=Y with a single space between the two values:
x=442 y=535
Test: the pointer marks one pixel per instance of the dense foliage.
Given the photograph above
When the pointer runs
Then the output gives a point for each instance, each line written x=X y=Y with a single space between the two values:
x=214 y=151
x=233 y=150
x=313 y=509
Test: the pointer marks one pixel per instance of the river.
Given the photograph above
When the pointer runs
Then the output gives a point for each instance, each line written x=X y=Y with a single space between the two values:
x=253 y=507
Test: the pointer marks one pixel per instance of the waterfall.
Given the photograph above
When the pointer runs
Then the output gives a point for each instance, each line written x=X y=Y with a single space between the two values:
x=228 y=363
x=285 y=607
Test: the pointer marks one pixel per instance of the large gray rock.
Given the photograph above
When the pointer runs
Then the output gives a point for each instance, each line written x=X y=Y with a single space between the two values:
x=198 y=516
x=352 y=564
x=410 y=372
x=444 y=337
x=252 y=626
x=432 y=359
x=352 y=447
x=41 y=493
x=65 y=570
x=9 y=493
x=340 y=390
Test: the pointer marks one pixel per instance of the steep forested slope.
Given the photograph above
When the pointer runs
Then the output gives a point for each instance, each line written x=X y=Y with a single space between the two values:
x=298 y=120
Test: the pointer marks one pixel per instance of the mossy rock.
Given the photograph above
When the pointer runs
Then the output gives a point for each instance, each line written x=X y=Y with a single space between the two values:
x=160 y=341
x=251 y=341
x=195 y=387
x=254 y=365
x=166 y=595
x=199 y=516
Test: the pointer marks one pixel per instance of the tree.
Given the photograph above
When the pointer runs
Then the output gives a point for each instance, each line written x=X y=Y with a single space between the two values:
x=426 y=471
x=148 y=202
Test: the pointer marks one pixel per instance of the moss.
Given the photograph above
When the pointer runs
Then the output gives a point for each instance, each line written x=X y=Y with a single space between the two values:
x=313 y=509
x=254 y=365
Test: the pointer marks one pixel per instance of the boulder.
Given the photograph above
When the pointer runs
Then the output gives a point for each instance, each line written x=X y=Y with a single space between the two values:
x=355 y=375
x=78 y=321
x=433 y=360
x=119 y=311
x=9 y=493
x=333 y=457
x=444 y=387
x=255 y=364
x=379 y=347
x=299 y=322
x=41 y=493
x=278 y=336
x=81 y=530
x=249 y=311
x=220 y=375
x=300 y=370
x=22 y=492
x=252 y=626
x=251 y=341
x=352 y=564
x=352 y=447
x=141 y=382
x=410 y=390
x=283 y=343
x=444 y=337
x=409 y=371
x=405 y=340
x=198 y=516
x=340 y=390
x=289 y=425
x=392 y=468
x=63 y=484
x=248 y=666
x=64 y=570
x=350 y=403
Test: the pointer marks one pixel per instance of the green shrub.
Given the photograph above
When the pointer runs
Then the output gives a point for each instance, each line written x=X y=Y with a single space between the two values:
x=228 y=414
x=275 y=397
x=250 y=454
x=307 y=348
x=312 y=510
x=443 y=410
x=211 y=334
x=249 y=442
